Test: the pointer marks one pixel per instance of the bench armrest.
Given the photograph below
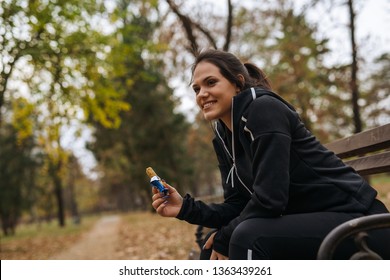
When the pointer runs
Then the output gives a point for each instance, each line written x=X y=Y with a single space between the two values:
x=357 y=227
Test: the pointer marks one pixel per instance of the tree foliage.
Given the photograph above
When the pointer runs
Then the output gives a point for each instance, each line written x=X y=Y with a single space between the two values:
x=52 y=49
x=151 y=133
x=17 y=165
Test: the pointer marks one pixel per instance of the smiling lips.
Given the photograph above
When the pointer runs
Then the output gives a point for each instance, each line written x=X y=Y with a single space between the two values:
x=208 y=104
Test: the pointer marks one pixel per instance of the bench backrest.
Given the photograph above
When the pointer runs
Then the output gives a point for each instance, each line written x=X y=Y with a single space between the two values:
x=365 y=151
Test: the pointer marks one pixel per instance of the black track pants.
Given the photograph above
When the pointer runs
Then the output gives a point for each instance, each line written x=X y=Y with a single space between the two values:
x=299 y=236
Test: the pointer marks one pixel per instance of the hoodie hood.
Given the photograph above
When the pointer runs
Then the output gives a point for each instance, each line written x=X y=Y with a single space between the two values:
x=242 y=101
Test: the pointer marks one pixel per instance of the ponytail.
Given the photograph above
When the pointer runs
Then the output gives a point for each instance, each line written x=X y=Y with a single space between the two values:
x=258 y=77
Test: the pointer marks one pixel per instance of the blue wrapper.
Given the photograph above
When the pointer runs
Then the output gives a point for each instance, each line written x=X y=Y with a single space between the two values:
x=155 y=182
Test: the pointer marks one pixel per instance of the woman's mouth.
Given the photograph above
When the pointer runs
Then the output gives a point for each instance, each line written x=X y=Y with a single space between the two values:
x=208 y=104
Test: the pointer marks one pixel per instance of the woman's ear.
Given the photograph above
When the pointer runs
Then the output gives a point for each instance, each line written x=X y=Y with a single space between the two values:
x=242 y=83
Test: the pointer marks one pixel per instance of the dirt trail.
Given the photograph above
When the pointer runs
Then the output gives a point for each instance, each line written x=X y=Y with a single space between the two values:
x=99 y=243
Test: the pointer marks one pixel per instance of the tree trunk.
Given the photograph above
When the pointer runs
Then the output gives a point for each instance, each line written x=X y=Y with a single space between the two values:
x=354 y=71
x=60 y=201
x=54 y=169
x=72 y=197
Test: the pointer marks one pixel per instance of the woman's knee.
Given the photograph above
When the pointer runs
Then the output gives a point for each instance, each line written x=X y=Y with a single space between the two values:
x=245 y=241
x=241 y=233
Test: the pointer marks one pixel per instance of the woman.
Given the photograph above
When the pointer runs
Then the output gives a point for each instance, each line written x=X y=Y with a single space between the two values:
x=283 y=190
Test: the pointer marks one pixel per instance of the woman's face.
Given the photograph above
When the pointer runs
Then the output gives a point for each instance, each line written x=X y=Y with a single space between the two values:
x=214 y=92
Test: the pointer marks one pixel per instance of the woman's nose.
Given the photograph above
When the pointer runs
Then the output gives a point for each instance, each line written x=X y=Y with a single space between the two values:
x=203 y=93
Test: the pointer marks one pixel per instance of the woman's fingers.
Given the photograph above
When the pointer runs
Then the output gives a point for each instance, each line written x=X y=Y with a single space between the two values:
x=209 y=241
x=217 y=256
x=213 y=256
x=157 y=196
x=158 y=201
x=160 y=209
x=154 y=190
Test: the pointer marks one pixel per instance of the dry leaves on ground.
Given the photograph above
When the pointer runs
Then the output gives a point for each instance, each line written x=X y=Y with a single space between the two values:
x=147 y=236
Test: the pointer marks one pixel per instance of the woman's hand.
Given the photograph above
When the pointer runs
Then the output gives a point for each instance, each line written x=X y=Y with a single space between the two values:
x=169 y=205
x=214 y=254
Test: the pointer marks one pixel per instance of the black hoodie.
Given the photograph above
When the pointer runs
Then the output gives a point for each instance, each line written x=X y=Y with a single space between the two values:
x=271 y=165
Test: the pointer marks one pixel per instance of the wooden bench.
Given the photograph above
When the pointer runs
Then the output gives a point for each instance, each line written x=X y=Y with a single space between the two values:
x=368 y=153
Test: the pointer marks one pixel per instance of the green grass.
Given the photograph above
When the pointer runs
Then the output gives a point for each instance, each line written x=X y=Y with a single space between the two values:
x=381 y=183
x=45 y=229
x=44 y=240
x=381 y=178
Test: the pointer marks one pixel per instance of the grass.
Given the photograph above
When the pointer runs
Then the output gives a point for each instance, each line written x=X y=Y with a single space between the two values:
x=52 y=228
x=382 y=184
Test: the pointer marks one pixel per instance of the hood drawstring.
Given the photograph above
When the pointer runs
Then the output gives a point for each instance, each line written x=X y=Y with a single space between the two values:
x=230 y=175
x=232 y=170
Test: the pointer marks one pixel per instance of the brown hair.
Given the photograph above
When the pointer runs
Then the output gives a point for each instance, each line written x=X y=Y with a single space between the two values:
x=231 y=67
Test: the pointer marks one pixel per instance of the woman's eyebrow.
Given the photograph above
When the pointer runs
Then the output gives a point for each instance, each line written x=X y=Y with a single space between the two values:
x=206 y=78
x=203 y=80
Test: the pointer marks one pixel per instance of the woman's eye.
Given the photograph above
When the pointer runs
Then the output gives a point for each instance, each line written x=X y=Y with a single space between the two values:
x=211 y=82
x=196 y=90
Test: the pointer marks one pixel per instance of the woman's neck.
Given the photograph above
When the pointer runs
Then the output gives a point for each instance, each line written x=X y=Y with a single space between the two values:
x=227 y=122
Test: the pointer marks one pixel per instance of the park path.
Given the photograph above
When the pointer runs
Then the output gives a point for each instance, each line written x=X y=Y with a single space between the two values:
x=100 y=243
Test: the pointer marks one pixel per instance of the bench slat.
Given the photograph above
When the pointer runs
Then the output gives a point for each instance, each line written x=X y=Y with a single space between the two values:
x=364 y=142
x=373 y=164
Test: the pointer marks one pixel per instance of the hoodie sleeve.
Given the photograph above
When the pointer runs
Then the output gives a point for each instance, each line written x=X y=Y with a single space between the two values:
x=269 y=121
x=214 y=215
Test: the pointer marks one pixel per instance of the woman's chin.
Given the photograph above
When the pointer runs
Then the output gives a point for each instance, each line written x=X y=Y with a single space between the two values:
x=209 y=117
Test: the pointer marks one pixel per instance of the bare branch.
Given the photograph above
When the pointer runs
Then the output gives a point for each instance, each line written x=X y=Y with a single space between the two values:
x=207 y=34
x=229 y=25
x=187 y=24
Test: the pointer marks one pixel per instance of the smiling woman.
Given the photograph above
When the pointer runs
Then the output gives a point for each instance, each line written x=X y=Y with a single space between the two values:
x=283 y=190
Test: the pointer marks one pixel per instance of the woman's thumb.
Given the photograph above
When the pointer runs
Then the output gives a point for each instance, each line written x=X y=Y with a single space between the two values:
x=169 y=187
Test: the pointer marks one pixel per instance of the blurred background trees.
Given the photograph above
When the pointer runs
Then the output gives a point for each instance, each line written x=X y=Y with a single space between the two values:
x=113 y=75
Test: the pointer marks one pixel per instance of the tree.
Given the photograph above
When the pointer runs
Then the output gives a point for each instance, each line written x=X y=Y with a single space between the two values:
x=54 y=49
x=294 y=63
x=357 y=81
x=16 y=165
x=376 y=109
x=354 y=70
x=151 y=133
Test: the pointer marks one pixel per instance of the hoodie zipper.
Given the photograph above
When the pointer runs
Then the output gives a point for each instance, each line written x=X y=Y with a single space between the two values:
x=233 y=170
x=223 y=142
x=228 y=152
x=234 y=155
